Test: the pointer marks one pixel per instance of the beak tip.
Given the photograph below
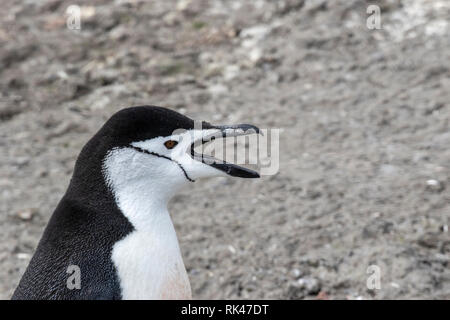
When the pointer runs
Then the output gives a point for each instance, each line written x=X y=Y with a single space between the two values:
x=255 y=128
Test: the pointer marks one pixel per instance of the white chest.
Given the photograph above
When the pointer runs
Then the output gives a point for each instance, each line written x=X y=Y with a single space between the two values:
x=150 y=266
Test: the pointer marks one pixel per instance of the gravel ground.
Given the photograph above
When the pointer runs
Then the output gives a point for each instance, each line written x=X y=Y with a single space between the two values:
x=364 y=174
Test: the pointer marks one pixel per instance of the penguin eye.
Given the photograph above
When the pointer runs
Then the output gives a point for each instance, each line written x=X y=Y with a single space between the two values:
x=170 y=144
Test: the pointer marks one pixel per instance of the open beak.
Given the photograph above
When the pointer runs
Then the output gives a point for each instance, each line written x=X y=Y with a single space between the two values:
x=215 y=132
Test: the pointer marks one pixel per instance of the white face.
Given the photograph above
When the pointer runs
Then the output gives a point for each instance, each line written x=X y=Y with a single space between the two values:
x=163 y=164
x=180 y=154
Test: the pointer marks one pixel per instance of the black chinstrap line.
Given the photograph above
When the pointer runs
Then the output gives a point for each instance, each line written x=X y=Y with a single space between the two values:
x=161 y=156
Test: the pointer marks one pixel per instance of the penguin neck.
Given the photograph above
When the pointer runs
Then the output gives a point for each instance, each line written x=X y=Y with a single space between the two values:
x=145 y=209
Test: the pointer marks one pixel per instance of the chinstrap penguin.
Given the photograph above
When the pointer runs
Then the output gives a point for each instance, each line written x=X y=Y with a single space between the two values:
x=113 y=221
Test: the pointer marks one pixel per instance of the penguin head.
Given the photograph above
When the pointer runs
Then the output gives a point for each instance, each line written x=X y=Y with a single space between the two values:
x=151 y=149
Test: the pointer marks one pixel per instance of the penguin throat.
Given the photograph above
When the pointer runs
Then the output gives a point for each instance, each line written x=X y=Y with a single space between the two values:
x=142 y=179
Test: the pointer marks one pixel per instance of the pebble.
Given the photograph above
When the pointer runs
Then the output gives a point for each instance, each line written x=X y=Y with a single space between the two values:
x=309 y=285
x=255 y=55
x=23 y=256
x=26 y=214
x=297 y=273
x=434 y=185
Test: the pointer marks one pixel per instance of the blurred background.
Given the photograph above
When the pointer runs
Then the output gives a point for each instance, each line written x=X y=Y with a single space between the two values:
x=364 y=174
